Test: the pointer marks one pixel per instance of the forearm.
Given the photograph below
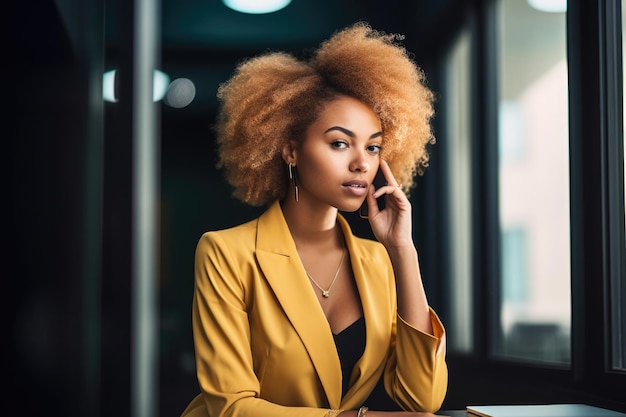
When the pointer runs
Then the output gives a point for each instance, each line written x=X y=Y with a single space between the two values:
x=412 y=302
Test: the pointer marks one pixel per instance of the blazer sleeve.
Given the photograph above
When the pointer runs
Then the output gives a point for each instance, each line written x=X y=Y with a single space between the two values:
x=416 y=375
x=229 y=386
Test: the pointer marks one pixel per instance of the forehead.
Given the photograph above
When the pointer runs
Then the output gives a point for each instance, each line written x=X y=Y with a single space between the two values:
x=348 y=112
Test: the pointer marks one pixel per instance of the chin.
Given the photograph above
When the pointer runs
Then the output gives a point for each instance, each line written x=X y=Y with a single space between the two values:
x=349 y=208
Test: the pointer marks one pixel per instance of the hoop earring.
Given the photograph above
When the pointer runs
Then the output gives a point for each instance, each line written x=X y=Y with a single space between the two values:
x=292 y=177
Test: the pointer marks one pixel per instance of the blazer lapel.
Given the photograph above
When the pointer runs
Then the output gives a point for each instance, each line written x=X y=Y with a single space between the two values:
x=371 y=276
x=281 y=266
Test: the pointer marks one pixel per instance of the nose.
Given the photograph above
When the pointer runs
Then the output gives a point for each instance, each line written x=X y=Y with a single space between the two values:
x=360 y=163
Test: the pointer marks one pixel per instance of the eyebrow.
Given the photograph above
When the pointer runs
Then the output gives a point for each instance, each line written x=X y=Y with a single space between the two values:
x=351 y=133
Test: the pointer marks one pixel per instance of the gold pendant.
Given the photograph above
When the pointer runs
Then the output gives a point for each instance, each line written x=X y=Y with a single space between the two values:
x=325 y=294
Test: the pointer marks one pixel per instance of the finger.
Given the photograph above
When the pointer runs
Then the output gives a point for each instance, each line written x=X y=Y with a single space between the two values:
x=372 y=205
x=395 y=190
x=384 y=166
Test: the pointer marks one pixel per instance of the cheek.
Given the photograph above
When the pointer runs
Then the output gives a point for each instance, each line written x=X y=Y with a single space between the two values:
x=312 y=173
x=318 y=171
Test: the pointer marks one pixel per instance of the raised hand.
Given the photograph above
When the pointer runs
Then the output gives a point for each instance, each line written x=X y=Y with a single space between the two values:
x=391 y=225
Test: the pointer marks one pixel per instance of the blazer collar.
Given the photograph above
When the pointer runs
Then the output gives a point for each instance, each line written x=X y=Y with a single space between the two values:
x=279 y=260
x=281 y=265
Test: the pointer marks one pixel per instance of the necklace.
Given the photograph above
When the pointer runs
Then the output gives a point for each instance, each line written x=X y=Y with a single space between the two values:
x=326 y=293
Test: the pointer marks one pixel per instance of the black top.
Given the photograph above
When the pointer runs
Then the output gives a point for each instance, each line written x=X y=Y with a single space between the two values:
x=350 y=343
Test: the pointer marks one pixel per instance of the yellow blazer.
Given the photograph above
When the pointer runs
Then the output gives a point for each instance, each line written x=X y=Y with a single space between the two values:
x=264 y=347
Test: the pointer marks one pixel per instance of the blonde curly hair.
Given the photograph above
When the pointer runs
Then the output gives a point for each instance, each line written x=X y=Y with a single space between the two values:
x=273 y=98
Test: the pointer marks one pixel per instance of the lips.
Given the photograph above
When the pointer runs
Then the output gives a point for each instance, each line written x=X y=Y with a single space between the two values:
x=355 y=184
x=356 y=188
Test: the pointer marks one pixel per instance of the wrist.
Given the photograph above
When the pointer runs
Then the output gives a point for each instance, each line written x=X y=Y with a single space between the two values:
x=402 y=252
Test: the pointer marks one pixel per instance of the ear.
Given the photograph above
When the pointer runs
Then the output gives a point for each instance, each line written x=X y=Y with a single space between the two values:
x=289 y=152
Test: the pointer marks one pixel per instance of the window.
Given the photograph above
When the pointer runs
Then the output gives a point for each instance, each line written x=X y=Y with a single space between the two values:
x=533 y=169
x=458 y=149
x=546 y=208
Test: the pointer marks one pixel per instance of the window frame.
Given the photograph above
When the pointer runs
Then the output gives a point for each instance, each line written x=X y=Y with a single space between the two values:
x=615 y=170
x=594 y=31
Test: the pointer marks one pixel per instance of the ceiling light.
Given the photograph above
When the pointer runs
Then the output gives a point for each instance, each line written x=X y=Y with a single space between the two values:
x=550 y=6
x=256 y=6
x=159 y=85
x=109 y=85
x=180 y=93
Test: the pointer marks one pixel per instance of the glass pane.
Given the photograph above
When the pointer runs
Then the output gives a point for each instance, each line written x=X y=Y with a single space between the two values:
x=458 y=155
x=535 y=309
x=619 y=295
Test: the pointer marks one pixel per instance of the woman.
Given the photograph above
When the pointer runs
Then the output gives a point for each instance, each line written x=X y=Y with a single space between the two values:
x=293 y=315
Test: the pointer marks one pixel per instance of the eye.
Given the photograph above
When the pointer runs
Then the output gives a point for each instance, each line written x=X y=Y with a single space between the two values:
x=339 y=144
x=373 y=149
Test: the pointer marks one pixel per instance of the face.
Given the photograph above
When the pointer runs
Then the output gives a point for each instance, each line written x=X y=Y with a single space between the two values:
x=339 y=156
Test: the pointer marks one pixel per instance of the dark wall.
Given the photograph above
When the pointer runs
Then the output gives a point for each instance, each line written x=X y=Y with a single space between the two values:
x=46 y=137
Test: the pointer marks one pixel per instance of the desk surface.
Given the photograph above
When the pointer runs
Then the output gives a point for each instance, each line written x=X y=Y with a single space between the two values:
x=452 y=413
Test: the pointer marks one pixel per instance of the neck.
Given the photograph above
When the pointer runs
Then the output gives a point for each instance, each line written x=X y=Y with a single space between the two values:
x=312 y=226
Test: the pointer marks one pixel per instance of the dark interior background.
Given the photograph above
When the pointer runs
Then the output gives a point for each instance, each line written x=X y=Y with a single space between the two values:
x=68 y=159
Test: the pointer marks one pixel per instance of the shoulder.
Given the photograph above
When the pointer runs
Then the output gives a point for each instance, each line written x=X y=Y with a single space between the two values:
x=245 y=235
x=240 y=236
